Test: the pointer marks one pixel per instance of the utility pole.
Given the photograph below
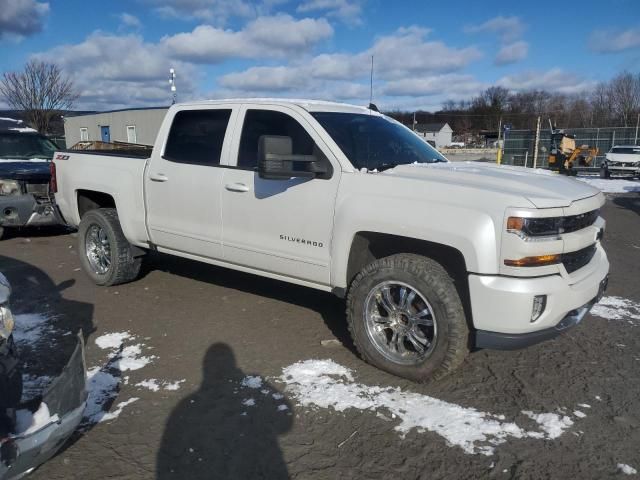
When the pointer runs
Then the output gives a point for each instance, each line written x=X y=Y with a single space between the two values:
x=536 y=144
x=172 y=82
x=635 y=142
x=499 y=158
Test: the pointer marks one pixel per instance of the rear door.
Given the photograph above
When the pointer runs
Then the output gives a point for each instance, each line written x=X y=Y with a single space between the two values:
x=183 y=182
x=278 y=226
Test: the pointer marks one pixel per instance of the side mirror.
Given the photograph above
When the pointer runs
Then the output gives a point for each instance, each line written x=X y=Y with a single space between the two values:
x=276 y=161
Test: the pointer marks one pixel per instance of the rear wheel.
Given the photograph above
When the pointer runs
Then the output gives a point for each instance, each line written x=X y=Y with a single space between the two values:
x=105 y=254
x=405 y=317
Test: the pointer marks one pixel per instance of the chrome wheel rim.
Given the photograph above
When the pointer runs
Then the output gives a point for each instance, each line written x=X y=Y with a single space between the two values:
x=98 y=249
x=400 y=323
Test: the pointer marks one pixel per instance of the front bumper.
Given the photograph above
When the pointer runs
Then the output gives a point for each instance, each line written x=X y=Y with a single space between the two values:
x=502 y=306
x=25 y=210
x=66 y=401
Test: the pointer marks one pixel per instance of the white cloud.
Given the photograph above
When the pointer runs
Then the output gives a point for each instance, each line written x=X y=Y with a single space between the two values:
x=554 y=80
x=407 y=53
x=346 y=10
x=21 y=18
x=512 y=53
x=213 y=11
x=405 y=64
x=130 y=21
x=112 y=71
x=273 y=37
x=610 y=41
x=507 y=28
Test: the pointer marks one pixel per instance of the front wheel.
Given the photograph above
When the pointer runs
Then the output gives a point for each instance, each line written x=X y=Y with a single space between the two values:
x=604 y=173
x=105 y=254
x=406 y=317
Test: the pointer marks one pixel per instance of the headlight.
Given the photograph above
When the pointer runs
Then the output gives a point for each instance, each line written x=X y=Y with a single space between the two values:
x=535 y=227
x=6 y=322
x=9 y=187
x=550 y=227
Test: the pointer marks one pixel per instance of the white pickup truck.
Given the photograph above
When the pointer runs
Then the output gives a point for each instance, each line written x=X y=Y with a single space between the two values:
x=433 y=257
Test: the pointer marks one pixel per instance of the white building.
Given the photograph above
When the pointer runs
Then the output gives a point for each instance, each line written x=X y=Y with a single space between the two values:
x=438 y=134
x=132 y=125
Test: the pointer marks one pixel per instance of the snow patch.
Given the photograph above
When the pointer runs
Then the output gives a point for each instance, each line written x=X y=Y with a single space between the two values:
x=112 y=340
x=116 y=413
x=102 y=387
x=252 y=382
x=28 y=422
x=249 y=402
x=628 y=469
x=33 y=385
x=325 y=383
x=151 y=384
x=617 y=308
x=30 y=327
x=616 y=185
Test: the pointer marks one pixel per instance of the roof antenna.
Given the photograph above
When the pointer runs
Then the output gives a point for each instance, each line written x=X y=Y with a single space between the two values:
x=372 y=106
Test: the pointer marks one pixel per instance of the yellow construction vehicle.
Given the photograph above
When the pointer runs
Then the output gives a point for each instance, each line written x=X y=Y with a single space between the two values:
x=565 y=157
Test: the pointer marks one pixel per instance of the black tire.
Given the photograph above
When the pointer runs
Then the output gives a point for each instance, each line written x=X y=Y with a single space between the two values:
x=605 y=173
x=1 y=232
x=124 y=266
x=432 y=282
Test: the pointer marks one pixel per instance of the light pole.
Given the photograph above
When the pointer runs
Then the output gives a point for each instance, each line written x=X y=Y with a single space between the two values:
x=172 y=82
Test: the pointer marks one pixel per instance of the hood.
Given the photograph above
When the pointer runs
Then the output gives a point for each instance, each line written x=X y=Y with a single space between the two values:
x=542 y=188
x=34 y=170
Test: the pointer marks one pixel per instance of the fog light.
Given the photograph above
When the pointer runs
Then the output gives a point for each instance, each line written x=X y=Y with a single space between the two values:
x=539 y=304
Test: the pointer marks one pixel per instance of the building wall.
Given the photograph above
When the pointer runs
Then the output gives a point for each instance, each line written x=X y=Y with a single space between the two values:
x=146 y=121
x=441 y=138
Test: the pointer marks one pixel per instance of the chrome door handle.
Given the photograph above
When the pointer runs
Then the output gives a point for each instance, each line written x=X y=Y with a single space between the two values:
x=158 y=177
x=236 y=187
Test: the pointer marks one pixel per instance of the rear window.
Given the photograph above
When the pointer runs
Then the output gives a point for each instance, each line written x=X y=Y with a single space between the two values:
x=196 y=137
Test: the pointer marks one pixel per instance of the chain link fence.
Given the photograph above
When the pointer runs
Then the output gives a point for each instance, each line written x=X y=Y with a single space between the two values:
x=519 y=145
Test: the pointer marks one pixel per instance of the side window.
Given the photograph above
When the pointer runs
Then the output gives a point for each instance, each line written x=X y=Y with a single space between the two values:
x=196 y=136
x=268 y=122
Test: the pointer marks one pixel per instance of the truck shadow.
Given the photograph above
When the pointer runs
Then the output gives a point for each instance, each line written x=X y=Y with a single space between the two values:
x=330 y=307
x=224 y=430
x=629 y=202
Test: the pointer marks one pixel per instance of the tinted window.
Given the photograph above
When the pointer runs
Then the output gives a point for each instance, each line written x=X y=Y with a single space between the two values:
x=196 y=136
x=25 y=146
x=266 y=122
x=376 y=142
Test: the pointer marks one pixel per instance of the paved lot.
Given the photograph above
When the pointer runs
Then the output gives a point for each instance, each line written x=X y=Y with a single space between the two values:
x=212 y=328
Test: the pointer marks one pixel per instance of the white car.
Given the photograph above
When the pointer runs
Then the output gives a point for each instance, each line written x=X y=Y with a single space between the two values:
x=433 y=257
x=621 y=160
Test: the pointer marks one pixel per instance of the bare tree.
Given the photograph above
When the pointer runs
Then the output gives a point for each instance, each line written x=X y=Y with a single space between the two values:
x=41 y=90
x=625 y=96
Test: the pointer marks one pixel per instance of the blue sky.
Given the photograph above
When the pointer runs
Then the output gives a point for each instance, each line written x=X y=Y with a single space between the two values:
x=426 y=52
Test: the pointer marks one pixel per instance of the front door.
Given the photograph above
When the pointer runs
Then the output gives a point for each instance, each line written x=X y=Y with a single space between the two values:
x=105 y=133
x=278 y=226
x=182 y=184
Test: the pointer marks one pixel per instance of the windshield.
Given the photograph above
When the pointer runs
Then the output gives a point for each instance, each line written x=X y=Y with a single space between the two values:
x=25 y=146
x=630 y=150
x=375 y=142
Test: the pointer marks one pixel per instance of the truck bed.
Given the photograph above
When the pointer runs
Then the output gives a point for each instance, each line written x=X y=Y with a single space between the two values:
x=120 y=176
